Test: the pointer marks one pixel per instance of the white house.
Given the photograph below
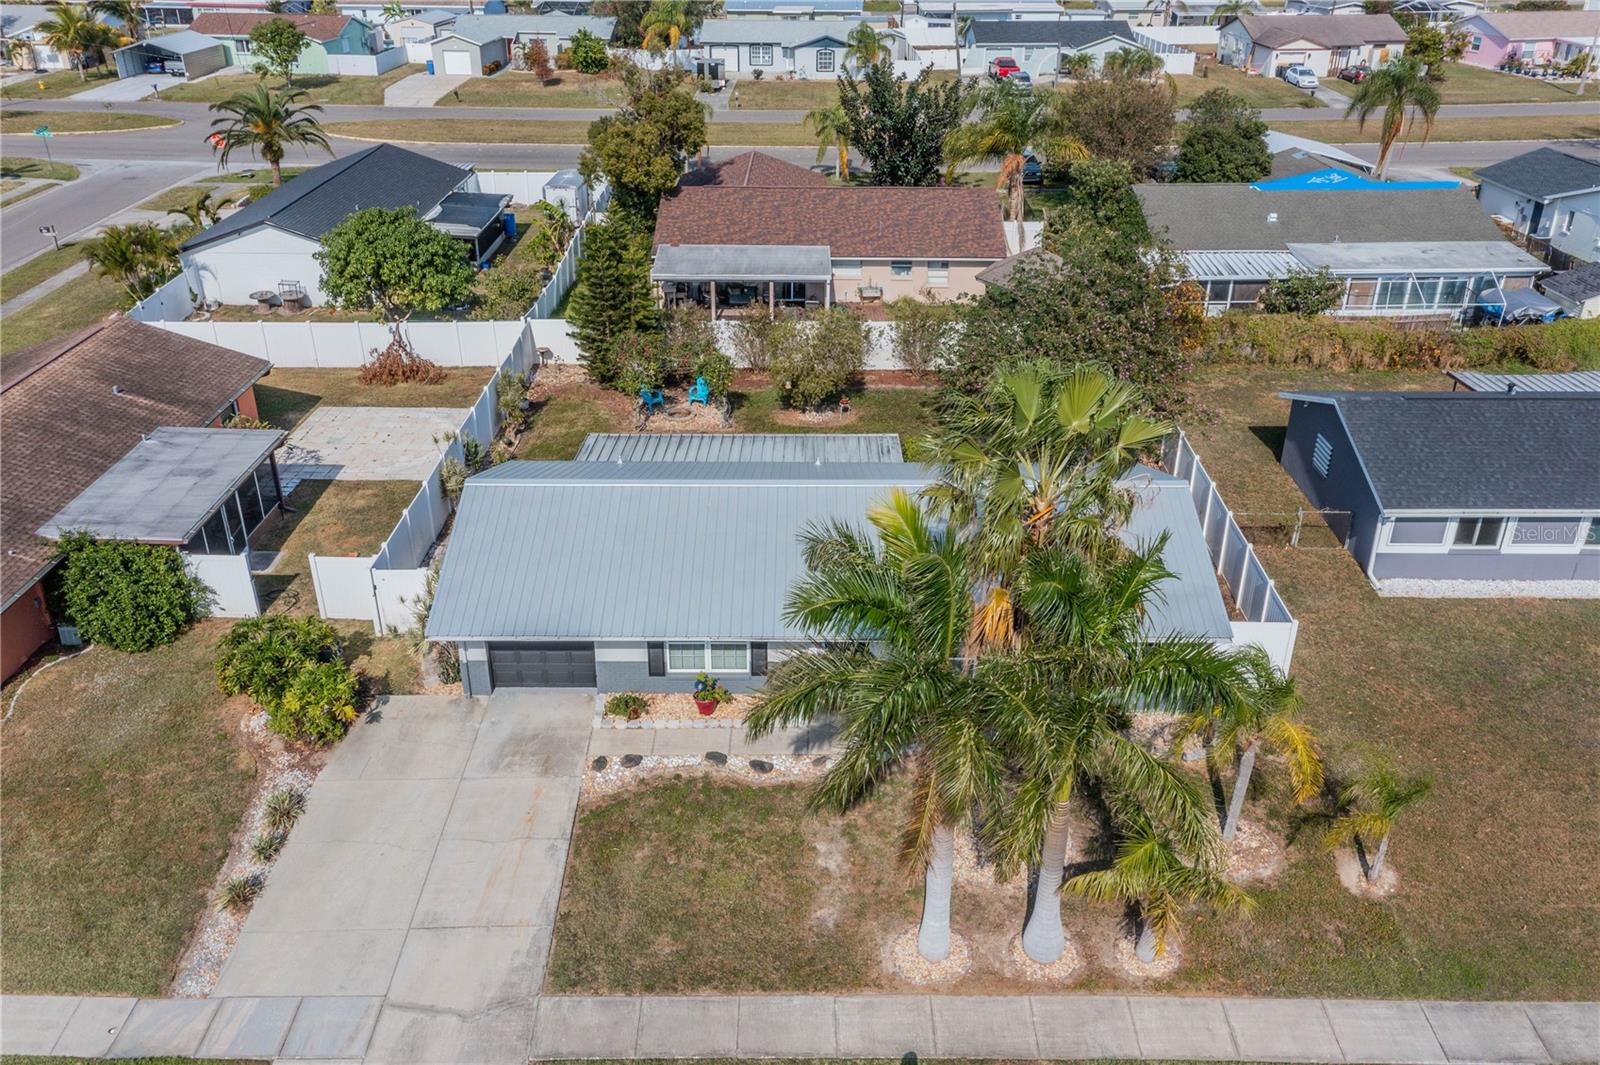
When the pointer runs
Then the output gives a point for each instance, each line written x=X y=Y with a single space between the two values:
x=801 y=48
x=984 y=10
x=1550 y=197
x=1325 y=43
x=475 y=42
x=793 y=9
x=1164 y=12
x=417 y=28
x=19 y=22
x=1429 y=10
x=1039 y=46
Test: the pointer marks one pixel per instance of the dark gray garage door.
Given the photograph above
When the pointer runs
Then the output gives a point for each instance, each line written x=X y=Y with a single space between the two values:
x=541 y=665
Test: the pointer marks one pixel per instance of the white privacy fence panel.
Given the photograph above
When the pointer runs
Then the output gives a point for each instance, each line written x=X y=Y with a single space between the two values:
x=1267 y=618
x=880 y=344
x=367 y=66
x=349 y=344
x=343 y=586
x=233 y=592
x=562 y=279
x=523 y=186
x=173 y=302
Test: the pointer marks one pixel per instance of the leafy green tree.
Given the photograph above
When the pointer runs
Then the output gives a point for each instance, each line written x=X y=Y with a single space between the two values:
x=139 y=256
x=923 y=329
x=589 y=55
x=1125 y=119
x=900 y=699
x=1435 y=45
x=828 y=352
x=1371 y=806
x=277 y=44
x=72 y=30
x=269 y=123
x=392 y=261
x=832 y=129
x=612 y=297
x=643 y=148
x=1303 y=292
x=1224 y=141
x=1400 y=89
x=1099 y=192
x=128 y=596
x=1007 y=122
x=899 y=127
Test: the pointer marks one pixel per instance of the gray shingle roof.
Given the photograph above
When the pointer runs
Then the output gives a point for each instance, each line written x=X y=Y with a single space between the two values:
x=1580 y=283
x=1236 y=217
x=318 y=200
x=783 y=32
x=1475 y=450
x=740 y=447
x=1023 y=33
x=1543 y=173
x=1329 y=31
x=480 y=29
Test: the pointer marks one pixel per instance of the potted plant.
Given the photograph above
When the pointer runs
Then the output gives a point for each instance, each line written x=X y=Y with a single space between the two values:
x=709 y=694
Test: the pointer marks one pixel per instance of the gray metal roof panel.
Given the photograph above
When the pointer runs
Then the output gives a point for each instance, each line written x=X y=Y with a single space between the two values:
x=1023 y=33
x=1239 y=265
x=1191 y=603
x=1578 y=381
x=1465 y=257
x=743 y=262
x=741 y=447
x=166 y=486
x=180 y=42
x=783 y=32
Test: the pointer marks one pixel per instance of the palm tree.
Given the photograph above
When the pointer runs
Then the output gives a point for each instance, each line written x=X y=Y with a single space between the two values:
x=832 y=129
x=1398 y=88
x=864 y=47
x=267 y=122
x=667 y=21
x=1372 y=804
x=555 y=222
x=1230 y=9
x=201 y=212
x=128 y=12
x=20 y=52
x=1077 y=65
x=1165 y=9
x=140 y=257
x=74 y=31
x=1240 y=727
x=897 y=613
x=1011 y=121
x=1135 y=64
x=1150 y=872
x=394 y=11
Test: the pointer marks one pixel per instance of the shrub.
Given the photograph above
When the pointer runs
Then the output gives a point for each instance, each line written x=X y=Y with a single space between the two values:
x=709 y=689
x=393 y=261
x=1303 y=292
x=717 y=369
x=1375 y=344
x=922 y=330
x=291 y=668
x=628 y=704
x=319 y=705
x=452 y=479
x=830 y=350
x=689 y=337
x=398 y=364
x=508 y=291
x=267 y=845
x=589 y=55
x=282 y=809
x=239 y=892
x=510 y=393
x=758 y=339
x=244 y=421
x=536 y=57
x=128 y=596
x=641 y=361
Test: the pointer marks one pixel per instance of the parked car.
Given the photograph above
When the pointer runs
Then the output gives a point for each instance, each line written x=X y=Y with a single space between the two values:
x=1003 y=67
x=1032 y=169
x=176 y=69
x=1356 y=74
x=1021 y=80
x=1300 y=77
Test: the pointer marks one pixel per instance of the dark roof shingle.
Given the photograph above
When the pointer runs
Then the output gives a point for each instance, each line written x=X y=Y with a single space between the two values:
x=62 y=425
x=240 y=23
x=1580 y=283
x=755 y=169
x=1078 y=33
x=1329 y=31
x=1543 y=173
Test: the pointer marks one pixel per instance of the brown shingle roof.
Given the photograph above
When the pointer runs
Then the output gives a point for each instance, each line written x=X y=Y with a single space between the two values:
x=1542 y=25
x=240 y=23
x=755 y=168
x=865 y=222
x=1329 y=31
x=62 y=426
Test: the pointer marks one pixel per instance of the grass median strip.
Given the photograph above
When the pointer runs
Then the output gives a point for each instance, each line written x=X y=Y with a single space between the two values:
x=535 y=131
x=319 y=88
x=23 y=167
x=81 y=121
x=57 y=85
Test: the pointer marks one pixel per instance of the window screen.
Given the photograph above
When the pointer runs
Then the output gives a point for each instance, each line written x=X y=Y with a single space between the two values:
x=730 y=658
x=761 y=55
x=824 y=59
x=1478 y=532
x=938 y=271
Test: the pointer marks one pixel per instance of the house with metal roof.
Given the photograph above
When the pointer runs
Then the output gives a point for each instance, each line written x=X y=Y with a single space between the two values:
x=1265 y=44
x=1398 y=252
x=1456 y=493
x=270 y=245
x=182 y=52
x=481 y=44
x=1550 y=197
x=793 y=9
x=667 y=558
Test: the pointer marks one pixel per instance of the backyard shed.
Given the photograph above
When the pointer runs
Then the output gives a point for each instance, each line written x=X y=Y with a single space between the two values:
x=198 y=53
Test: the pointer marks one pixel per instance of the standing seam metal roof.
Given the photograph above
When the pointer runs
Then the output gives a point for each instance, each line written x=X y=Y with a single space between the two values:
x=741 y=447
x=1578 y=381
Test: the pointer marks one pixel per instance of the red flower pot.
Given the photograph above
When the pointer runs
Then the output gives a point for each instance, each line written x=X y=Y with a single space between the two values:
x=707 y=707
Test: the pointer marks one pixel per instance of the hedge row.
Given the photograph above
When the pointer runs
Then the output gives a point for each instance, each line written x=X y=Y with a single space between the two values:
x=1375 y=344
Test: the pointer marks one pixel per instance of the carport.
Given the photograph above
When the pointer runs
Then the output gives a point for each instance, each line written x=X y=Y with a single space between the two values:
x=199 y=54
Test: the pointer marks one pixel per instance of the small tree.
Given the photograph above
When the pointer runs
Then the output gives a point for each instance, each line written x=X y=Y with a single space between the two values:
x=757 y=339
x=1100 y=192
x=641 y=362
x=900 y=126
x=536 y=57
x=128 y=596
x=1304 y=292
x=643 y=148
x=293 y=668
x=276 y=45
x=612 y=297
x=589 y=55
x=139 y=256
x=830 y=352
x=392 y=261
x=717 y=371
x=1126 y=119
x=922 y=332
x=1371 y=805
x=1224 y=141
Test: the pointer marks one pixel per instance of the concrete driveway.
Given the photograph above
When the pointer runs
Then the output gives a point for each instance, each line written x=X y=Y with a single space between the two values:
x=421 y=90
x=367 y=444
x=125 y=89
x=418 y=892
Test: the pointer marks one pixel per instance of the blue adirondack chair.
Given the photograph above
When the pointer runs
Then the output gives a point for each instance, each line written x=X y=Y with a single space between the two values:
x=652 y=398
x=699 y=392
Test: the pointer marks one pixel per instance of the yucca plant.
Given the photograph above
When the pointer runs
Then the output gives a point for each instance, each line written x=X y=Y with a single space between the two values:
x=1370 y=805
x=239 y=892
x=267 y=845
x=282 y=809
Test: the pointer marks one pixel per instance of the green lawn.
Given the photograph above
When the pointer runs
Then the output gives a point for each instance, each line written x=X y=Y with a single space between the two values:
x=533 y=131
x=258 y=177
x=319 y=88
x=184 y=195
x=70 y=307
x=81 y=121
x=286 y=395
x=331 y=518
x=22 y=167
x=1259 y=91
x=517 y=88
x=123 y=784
x=57 y=84
x=41 y=267
x=794 y=95
x=873 y=410
x=1467 y=84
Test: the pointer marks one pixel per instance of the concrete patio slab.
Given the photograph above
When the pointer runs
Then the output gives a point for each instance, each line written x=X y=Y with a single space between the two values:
x=164 y=1027
x=1181 y=1028
x=586 y=1027
x=93 y=1027
x=492 y=884
x=785 y=1026
x=1570 y=1031
x=1281 y=1029
x=883 y=1026
x=429 y=1037
x=274 y=964
x=499 y=810
x=1089 y=1026
x=331 y=1028
x=1383 y=1031
x=968 y=1026
x=695 y=742
x=346 y=886
x=470 y=971
x=31 y=1024
x=248 y=1028
x=671 y=1027
x=370 y=443
x=1486 y=1031
x=405 y=814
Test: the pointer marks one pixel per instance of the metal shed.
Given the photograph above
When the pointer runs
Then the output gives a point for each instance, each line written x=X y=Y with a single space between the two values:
x=199 y=54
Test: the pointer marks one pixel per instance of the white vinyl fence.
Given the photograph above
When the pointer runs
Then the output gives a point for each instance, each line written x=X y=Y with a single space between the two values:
x=367 y=66
x=172 y=302
x=233 y=592
x=523 y=186
x=1268 y=622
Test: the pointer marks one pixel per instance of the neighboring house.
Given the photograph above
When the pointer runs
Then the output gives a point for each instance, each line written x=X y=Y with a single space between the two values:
x=168 y=13
x=1157 y=13
x=1577 y=291
x=987 y=10
x=70 y=408
x=1039 y=46
x=1429 y=10
x=271 y=244
x=758 y=231
x=803 y=48
x=419 y=27
x=1465 y=493
x=1424 y=252
x=376 y=12
x=19 y=22
x=1295 y=155
x=476 y=42
x=1550 y=197
x=328 y=35
x=195 y=53
x=1530 y=37
x=1265 y=44
x=792 y=9
x=660 y=557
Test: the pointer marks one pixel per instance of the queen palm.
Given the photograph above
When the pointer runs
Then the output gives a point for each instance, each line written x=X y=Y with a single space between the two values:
x=1239 y=727
x=1400 y=89
x=128 y=12
x=1372 y=803
x=864 y=47
x=141 y=257
x=268 y=122
x=665 y=24
x=1009 y=122
x=896 y=613
x=832 y=129
x=71 y=29
x=1134 y=63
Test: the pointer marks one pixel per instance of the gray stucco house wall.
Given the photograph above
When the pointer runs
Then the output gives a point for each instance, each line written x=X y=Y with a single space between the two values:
x=1344 y=487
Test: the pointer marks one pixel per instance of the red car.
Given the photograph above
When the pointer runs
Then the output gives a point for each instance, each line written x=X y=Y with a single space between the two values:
x=1003 y=67
x=1356 y=74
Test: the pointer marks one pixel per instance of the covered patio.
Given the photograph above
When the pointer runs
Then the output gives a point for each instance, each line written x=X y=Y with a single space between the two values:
x=477 y=218
x=736 y=279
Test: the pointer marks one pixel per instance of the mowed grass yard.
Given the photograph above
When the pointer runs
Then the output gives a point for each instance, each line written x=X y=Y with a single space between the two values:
x=81 y=121
x=518 y=88
x=57 y=84
x=123 y=783
x=1498 y=874
x=1260 y=91
x=319 y=88
x=81 y=303
x=1467 y=84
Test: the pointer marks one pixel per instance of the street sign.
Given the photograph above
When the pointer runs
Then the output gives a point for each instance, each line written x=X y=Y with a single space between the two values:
x=50 y=231
x=44 y=133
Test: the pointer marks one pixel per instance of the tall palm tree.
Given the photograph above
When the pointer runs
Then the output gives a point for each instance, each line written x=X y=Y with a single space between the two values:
x=1152 y=872
x=1401 y=88
x=128 y=12
x=141 y=257
x=1240 y=727
x=832 y=129
x=71 y=29
x=1230 y=9
x=1009 y=122
x=20 y=52
x=896 y=613
x=865 y=46
x=268 y=122
x=394 y=11
x=666 y=23
x=1372 y=804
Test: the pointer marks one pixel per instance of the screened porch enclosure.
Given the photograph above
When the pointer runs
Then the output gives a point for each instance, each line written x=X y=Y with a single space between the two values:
x=732 y=280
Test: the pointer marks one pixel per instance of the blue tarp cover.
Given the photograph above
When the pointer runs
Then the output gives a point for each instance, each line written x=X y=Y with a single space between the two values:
x=1341 y=180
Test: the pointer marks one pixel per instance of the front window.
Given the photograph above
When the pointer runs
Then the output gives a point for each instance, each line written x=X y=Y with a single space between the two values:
x=847 y=267
x=938 y=271
x=686 y=657
x=1477 y=43
x=730 y=658
x=824 y=60
x=761 y=55
x=1479 y=532
x=900 y=268
x=243 y=46
x=698 y=657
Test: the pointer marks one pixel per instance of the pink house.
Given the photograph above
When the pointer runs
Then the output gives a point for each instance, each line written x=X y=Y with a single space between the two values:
x=1528 y=35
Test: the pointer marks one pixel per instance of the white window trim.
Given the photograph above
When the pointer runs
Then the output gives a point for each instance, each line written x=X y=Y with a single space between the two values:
x=1440 y=548
x=832 y=59
x=1511 y=547
x=761 y=49
x=1506 y=521
x=1594 y=524
x=705 y=651
x=910 y=265
x=938 y=276
x=847 y=268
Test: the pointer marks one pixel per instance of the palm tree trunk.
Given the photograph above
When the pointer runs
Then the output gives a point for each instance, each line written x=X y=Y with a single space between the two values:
x=844 y=160
x=277 y=174
x=1017 y=209
x=1241 y=785
x=933 y=935
x=1375 y=870
x=1144 y=948
x=1391 y=133
x=1043 y=939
